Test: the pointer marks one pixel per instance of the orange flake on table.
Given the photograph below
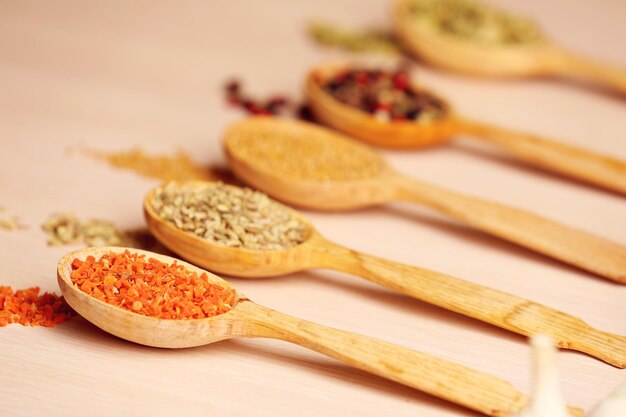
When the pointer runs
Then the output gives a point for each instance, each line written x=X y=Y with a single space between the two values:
x=151 y=287
x=28 y=308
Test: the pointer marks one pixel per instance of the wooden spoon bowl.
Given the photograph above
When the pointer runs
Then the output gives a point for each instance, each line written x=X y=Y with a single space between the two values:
x=142 y=329
x=362 y=125
x=240 y=262
x=330 y=195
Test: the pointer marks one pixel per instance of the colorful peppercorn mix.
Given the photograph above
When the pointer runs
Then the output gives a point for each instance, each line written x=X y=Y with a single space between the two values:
x=151 y=287
x=388 y=95
x=28 y=308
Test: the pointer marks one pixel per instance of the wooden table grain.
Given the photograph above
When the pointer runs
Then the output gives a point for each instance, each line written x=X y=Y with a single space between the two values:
x=118 y=75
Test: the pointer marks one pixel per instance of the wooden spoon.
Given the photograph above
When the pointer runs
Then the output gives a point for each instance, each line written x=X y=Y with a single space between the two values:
x=482 y=303
x=449 y=381
x=581 y=164
x=314 y=167
x=540 y=58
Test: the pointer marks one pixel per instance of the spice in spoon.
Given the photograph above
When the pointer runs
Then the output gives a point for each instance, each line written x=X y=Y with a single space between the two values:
x=28 y=308
x=301 y=151
x=151 y=287
x=386 y=94
x=229 y=216
x=476 y=21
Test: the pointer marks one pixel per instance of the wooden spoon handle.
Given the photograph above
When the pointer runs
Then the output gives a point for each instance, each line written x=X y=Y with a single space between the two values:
x=581 y=164
x=576 y=247
x=452 y=382
x=558 y=61
x=482 y=303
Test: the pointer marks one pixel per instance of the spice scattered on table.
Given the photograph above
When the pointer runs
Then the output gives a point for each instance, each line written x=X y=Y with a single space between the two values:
x=179 y=167
x=301 y=150
x=353 y=40
x=229 y=216
x=151 y=287
x=386 y=94
x=65 y=229
x=476 y=21
x=273 y=105
x=28 y=308
x=10 y=223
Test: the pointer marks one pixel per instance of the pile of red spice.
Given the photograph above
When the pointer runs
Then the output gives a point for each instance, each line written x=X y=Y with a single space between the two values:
x=151 y=287
x=28 y=308
x=388 y=94
x=273 y=105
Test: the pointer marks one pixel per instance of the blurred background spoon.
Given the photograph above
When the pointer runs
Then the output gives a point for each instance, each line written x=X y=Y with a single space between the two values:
x=581 y=164
x=540 y=57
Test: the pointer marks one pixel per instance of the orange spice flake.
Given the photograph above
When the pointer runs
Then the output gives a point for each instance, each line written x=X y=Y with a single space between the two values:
x=28 y=308
x=151 y=287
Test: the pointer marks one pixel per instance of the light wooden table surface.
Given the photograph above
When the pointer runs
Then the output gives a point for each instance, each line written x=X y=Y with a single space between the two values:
x=117 y=75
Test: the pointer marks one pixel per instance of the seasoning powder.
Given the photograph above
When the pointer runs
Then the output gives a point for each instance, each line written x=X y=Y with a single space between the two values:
x=179 y=167
x=299 y=150
x=229 y=216
x=28 y=308
x=150 y=287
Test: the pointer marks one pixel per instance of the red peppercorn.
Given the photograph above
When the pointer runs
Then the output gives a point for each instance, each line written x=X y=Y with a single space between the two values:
x=342 y=76
x=401 y=80
x=362 y=78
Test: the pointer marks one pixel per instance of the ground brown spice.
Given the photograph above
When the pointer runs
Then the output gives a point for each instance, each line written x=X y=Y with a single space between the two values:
x=179 y=167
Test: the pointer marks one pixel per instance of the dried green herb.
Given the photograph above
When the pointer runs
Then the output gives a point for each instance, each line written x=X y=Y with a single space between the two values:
x=474 y=20
x=353 y=40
